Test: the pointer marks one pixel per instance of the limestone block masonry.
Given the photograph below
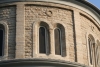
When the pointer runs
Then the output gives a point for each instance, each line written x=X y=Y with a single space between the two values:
x=36 y=14
x=21 y=21
x=8 y=17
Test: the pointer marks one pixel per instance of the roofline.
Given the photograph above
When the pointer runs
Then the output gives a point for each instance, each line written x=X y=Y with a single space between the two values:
x=90 y=5
x=80 y=1
x=39 y=61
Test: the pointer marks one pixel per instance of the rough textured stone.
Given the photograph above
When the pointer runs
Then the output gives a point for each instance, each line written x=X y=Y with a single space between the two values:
x=88 y=27
x=23 y=22
x=8 y=16
x=53 y=15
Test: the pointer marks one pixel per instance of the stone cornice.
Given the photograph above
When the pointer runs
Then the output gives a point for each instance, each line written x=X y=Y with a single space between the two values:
x=80 y=4
x=81 y=1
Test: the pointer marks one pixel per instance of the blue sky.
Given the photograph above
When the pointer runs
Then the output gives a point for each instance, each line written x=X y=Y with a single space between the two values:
x=95 y=2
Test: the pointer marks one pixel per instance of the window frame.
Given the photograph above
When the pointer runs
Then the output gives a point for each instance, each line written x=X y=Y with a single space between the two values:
x=5 y=28
x=47 y=38
x=60 y=43
x=93 y=51
x=2 y=42
x=62 y=39
x=90 y=51
x=97 y=53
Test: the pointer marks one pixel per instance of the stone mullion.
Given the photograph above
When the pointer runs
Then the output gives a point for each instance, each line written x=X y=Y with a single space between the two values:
x=35 y=39
x=52 y=43
x=20 y=31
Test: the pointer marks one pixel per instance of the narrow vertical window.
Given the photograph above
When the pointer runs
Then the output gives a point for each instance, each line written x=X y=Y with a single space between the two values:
x=44 y=41
x=1 y=42
x=98 y=53
x=90 y=49
x=60 y=44
x=94 y=55
x=58 y=41
x=98 y=61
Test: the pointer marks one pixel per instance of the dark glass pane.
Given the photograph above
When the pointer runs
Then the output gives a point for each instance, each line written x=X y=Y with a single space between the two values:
x=42 y=43
x=94 y=55
x=1 y=42
x=97 y=54
x=57 y=42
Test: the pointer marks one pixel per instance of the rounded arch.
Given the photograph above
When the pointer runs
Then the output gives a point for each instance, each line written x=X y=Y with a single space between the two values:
x=4 y=27
x=91 y=38
x=60 y=25
x=44 y=38
x=60 y=42
x=44 y=24
x=37 y=25
x=92 y=50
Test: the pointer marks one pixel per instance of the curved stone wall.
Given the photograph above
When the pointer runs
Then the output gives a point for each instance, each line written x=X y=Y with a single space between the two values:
x=23 y=20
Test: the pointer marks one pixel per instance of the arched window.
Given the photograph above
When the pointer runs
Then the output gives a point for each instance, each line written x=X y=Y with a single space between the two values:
x=60 y=46
x=98 y=54
x=92 y=50
x=1 y=40
x=44 y=41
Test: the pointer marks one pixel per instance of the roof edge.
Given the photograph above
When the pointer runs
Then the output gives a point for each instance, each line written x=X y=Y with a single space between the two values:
x=90 y=5
x=38 y=61
x=80 y=1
